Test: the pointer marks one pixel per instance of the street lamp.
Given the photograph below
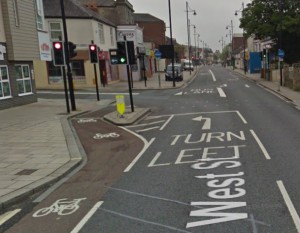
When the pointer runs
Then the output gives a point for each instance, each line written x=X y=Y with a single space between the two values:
x=171 y=38
x=188 y=9
x=236 y=13
x=231 y=39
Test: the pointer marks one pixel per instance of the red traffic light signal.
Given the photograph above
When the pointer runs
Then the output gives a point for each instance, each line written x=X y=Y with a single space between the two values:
x=58 y=53
x=93 y=50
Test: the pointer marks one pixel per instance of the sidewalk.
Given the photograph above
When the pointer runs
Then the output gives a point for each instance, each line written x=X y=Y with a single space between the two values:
x=37 y=144
x=286 y=92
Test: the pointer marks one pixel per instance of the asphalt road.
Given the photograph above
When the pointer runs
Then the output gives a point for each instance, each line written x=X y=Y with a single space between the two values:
x=221 y=155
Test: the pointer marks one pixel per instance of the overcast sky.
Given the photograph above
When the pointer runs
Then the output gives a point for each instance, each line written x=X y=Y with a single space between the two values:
x=211 y=20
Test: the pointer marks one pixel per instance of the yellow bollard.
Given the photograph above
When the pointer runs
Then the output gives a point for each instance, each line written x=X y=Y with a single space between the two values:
x=120 y=104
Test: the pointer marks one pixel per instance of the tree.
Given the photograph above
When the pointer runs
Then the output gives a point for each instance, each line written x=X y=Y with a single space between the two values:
x=275 y=19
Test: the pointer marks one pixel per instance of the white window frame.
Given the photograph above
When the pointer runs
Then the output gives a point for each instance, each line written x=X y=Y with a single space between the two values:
x=55 y=30
x=23 y=80
x=39 y=15
x=4 y=81
x=101 y=33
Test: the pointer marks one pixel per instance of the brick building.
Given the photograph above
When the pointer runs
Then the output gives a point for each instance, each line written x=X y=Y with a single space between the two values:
x=154 y=29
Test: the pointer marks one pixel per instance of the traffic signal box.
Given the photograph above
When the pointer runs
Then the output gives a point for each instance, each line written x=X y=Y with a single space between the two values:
x=72 y=47
x=93 y=50
x=122 y=56
x=58 y=53
x=119 y=57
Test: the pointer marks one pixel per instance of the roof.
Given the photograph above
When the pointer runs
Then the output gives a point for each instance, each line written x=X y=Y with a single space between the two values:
x=73 y=10
x=144 y=17
x=103 y=3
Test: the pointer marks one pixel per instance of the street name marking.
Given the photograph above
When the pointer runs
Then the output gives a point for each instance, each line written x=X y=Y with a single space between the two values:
x=108 y=135
x=207 y=124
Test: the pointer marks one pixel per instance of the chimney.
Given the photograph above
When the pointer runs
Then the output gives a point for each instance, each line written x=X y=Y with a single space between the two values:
x=92 y=5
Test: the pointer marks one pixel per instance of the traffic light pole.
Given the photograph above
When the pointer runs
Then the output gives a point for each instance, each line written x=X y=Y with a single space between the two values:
x=67 y=57
x=128 y=76
x=95 y=73
x=65 y=88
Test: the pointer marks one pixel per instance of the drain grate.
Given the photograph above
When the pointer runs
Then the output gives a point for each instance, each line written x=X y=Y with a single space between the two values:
x=26 y=172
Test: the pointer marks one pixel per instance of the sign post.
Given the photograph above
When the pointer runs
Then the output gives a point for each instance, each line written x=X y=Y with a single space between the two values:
x=281 y=55
x=158 y=57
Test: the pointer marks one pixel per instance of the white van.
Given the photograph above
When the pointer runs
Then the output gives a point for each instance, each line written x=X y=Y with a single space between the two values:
x=188 y=65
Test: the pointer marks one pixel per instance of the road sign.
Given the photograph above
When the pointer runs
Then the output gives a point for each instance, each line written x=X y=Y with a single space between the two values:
x=281 y=53
x=157 y=54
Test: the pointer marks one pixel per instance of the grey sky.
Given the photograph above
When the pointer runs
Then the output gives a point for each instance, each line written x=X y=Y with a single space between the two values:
x=211 y=20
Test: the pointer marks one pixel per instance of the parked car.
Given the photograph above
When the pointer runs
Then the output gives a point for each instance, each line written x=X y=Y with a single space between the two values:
x=178 y=72
x=188 y=65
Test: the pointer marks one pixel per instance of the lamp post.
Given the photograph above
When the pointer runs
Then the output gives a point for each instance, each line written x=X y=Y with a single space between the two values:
x=236 y=13
x=171 y=38
x=198 y=40
x=231 y=40
x=188 y=9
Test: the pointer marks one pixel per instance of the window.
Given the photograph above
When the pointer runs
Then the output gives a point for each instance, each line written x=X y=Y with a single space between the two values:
x=77 y=68
x=23 y=79
x=39 y=15
x=112 y=41
x=55 y=31
x=101 y=33
x=16 y=13
x=4 y=83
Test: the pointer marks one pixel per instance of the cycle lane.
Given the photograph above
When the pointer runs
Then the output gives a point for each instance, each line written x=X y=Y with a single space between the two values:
x=109 y=149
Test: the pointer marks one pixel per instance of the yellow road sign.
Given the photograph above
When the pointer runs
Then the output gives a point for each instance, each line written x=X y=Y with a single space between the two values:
x=120 y=104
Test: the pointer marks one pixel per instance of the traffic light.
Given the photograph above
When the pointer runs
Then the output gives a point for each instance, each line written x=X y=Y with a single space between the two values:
x=93 y=53
x=58 y=53
x=131 y=53
x=72 y=47
x=122 y=56
x=264 y=53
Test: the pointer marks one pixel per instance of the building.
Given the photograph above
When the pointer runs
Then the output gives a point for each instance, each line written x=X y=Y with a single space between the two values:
x=22 y=41
x=154 y=29
x=110 y=8
x=84 y=27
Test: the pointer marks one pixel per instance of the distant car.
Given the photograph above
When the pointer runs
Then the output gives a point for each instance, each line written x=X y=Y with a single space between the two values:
x=177 y=71
x=188 y=65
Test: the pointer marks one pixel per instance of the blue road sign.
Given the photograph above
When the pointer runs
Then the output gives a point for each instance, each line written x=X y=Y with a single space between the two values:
x=281 y=53
x=157 y=54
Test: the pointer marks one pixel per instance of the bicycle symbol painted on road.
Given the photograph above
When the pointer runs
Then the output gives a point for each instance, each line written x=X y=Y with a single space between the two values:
x=61 y=207
x=108 y=135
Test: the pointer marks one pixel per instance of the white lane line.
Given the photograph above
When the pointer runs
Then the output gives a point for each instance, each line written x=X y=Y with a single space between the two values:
x=289 y=204
x=148 y=129
x=167 y=122
x=221 y=92
x=87 y=217
x=86 y=93
x=213 y=76
x=8 y=215
x=179 y=93
x=247 y=86
x=140 y=125
x=241 y=116
x=146 y=146
x=263 y=149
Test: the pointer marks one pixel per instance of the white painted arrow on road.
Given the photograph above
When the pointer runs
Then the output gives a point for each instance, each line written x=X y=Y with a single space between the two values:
x=207 y=124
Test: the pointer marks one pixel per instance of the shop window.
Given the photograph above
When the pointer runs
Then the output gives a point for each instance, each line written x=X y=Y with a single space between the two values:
x=5 y=91
x=23 y=79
